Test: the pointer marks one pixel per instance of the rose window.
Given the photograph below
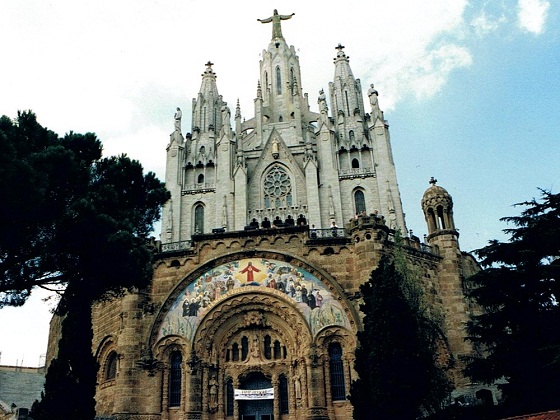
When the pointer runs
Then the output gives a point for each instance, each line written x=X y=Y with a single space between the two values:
x=277 y=189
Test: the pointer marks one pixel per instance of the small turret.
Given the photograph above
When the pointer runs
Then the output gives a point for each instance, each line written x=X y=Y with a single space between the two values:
x=437 y=205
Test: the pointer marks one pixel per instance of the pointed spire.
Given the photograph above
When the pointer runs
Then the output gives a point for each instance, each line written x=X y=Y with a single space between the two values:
x=342 y=64
x=259 y=90
x=208 y=103
x=237 y=110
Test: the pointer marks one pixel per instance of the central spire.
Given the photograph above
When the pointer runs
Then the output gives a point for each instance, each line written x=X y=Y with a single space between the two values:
x=276 y=26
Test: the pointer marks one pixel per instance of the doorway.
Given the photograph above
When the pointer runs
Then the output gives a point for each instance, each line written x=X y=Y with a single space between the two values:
x=256 y=409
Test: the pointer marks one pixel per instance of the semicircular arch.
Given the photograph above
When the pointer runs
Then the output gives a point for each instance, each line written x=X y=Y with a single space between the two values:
x=318 y=297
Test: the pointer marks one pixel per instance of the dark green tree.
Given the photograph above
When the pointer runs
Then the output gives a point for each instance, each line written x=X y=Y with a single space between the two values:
x=77 y=222
x=399 y=376
x=517 y=332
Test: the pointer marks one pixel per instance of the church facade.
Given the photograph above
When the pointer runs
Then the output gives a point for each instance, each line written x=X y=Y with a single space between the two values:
x=274 y=223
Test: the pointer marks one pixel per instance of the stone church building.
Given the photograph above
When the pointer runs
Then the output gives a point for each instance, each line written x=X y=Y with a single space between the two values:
x=274 y=223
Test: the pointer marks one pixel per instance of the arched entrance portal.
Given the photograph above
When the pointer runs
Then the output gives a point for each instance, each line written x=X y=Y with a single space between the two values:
x=253 y=324
x=258 y=409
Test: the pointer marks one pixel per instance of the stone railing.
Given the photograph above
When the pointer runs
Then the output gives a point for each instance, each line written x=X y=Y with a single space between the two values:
x=329 y=233
x=356 y=173
x=176 y=246
x=414 y=243
x=198 y=188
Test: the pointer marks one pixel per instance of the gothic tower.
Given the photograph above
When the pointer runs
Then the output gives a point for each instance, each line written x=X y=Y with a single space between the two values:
x=287 y=163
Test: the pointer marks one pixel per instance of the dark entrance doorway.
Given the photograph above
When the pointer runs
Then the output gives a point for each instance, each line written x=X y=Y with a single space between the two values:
x=256 y=409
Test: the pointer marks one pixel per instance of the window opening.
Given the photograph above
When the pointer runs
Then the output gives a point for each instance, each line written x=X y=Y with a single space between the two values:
x=360 y=201
x=277 y=349
x=277 y=188
x=244 y=348
x=229 y=397
x=267 y=343
x=175 y=380
x=278 y=81
x=338 y=389
x=284 y=406
x=199 y=219
x=111 y=370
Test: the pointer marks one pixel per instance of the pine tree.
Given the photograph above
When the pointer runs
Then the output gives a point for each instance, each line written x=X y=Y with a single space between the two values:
x=399 y=377
x=77 y=222
x=517 y=332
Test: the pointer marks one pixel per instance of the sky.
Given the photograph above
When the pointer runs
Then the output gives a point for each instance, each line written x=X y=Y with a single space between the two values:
x=470 y=90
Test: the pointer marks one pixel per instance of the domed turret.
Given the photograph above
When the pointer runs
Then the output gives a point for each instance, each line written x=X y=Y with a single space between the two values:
x=437 y=205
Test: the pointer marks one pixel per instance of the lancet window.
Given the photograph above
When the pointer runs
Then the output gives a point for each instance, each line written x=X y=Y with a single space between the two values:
x=111 y=369
x=278 y=81
x=175 y=376
x=199 y=219
x=359 y=201
x=338 y=388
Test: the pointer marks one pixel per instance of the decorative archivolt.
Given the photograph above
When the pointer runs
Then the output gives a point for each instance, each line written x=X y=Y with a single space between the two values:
x=107 y=344
x=164 y=347
x=269 y=308
x=342 y=336
x=216 y=299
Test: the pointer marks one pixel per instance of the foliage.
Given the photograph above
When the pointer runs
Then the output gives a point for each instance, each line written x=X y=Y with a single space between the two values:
x=397 y=357
x=517 y=330
x=77 y=222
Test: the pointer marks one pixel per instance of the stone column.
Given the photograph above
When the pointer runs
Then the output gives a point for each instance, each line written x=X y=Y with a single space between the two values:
x=205 y=401
x=193 y=408
x=235 y=402
x=220 y=377
x=275 y=385
x=317 y=409
x=165 y=392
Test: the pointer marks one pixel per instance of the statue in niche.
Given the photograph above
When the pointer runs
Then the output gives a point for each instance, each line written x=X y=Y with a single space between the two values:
x=297 y=386
x=213 y=394
x=255 y=350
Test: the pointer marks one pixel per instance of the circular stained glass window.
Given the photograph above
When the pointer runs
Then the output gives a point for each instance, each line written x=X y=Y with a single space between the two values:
x=277 y=188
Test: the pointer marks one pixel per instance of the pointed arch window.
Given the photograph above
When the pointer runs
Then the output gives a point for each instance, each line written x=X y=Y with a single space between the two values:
x=277 y=188
x=355 y=164
x=338 y=388
x=292 y=80
x=267 y=343
x=266 y=82
x=278 y=81
x=244 y=348
x=199 y=219
x=111 y=366
x=200 y=179
x=359 y=201
x=175 y=376
x=229 y=397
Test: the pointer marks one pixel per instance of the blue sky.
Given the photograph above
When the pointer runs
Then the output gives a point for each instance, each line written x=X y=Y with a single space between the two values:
x=470 y=90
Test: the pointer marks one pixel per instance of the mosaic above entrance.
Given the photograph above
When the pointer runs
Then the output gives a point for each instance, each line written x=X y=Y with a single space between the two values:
x=308 y=293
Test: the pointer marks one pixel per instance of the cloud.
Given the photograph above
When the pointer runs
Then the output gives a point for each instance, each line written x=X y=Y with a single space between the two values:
x=484 y=24
x=532 y=14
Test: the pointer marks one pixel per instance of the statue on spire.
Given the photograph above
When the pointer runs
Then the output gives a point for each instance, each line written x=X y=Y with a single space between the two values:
x=177 y=118
x=276 y=19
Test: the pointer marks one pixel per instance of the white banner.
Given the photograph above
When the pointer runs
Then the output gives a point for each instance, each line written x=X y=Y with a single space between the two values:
x=253 y=394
